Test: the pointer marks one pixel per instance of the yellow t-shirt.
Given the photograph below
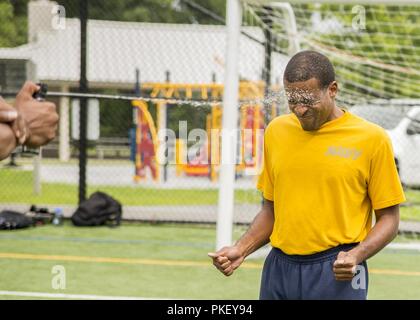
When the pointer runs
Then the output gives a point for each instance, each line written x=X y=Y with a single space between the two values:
x=325 y=183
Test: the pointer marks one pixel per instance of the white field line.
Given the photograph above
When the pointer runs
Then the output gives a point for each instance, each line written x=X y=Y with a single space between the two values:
x=71 y=296
x=404 y=246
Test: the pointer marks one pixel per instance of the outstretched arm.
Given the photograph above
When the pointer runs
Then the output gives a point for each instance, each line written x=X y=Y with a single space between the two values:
x=259 y=232
x=228 y=259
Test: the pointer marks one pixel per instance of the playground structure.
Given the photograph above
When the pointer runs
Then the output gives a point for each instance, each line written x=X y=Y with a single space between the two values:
x=207 y=162
x=146 y=142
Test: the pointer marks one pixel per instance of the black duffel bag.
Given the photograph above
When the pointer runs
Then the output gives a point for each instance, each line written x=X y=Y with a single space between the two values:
x=99 y=209
x=10 y=220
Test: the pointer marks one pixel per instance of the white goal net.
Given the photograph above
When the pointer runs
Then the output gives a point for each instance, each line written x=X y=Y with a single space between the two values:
x=375 y=48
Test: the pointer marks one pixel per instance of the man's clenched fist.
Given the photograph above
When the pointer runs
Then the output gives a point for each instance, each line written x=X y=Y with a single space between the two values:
x=40 y=117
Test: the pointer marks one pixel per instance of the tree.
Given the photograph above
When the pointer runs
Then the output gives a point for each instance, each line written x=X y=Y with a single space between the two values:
x=161 y=11
x=13 y=14
x=12 y=27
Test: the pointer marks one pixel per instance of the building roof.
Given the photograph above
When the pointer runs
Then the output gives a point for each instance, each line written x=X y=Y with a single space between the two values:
x=191 y=53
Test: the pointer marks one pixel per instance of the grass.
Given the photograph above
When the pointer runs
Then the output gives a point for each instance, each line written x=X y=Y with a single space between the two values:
x=412 y=211
x=163 y=246
x=18 y=189
x=172 y=243
x=394 y=286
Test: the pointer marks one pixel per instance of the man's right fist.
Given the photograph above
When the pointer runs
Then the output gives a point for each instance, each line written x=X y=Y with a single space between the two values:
x=40 y=117
x=227 y=259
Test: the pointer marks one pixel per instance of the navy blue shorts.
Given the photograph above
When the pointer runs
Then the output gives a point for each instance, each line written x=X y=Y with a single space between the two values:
x=307 y=277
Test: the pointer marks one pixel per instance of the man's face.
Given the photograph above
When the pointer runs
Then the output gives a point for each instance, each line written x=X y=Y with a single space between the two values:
x=311 y=104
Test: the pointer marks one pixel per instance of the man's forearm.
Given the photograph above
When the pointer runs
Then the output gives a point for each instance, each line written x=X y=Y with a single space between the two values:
x=383 y=232
x=259 y=232
x=7 y=141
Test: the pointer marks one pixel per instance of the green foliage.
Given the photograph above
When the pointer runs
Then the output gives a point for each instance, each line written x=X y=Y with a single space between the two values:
x=116 y=117
x=12 y=28
x=13 y=14
x=194 y=116
x=163 y=11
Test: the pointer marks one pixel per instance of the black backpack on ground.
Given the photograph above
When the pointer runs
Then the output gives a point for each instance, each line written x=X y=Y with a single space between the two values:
x=99 y=209
x=10 y=220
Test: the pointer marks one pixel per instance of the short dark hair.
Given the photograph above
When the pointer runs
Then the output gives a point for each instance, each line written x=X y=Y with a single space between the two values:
x=310 y=64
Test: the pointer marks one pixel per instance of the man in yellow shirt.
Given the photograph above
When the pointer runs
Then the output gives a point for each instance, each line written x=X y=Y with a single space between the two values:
x=325 y=171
